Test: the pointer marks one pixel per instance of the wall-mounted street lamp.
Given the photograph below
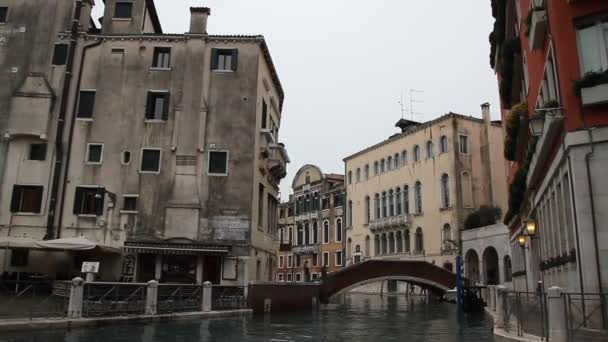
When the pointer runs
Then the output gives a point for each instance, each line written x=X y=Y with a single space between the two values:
x=537 y=121
x=521 y=240
x=531 y=227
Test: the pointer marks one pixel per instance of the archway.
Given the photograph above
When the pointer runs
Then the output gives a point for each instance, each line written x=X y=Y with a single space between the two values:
x=472 y=266
x=490 y=266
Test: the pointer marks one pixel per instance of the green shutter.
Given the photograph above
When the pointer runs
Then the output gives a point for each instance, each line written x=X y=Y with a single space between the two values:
x=214 y=55
x=235 y=59
x=166 y=106
x=16 y=198
x=78 y=201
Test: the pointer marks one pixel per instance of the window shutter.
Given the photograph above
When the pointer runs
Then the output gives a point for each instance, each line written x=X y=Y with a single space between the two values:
x=235 y=59
x=38 y=200
x=78 y=201
x=150 y=106
x=60 y=54
x=166 y=106
x=15 y=199
x=214 y=55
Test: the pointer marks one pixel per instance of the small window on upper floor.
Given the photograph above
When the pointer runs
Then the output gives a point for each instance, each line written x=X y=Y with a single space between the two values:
x=94 y=154
x=26 y=199
x=443 y=144
x=463 y=144
x=3 y=14
x=126 y=158
x=593 y=45
x=37 y=152
x=123 y=10
x=416 y=153
x=60 y=54
x=88 y=200
x=129 y=202
x=86 y=104
x=218 y=163
x=150 y=160
x=162 y=58
x=157 y=107
x=224 y=59
x=264 y=114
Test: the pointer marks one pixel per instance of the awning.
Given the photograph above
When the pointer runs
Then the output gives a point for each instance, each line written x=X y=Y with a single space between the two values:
x=76 y=244
x=174 y=249
x=12 y=242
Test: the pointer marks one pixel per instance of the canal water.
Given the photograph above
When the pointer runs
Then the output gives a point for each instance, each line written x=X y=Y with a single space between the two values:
x=350 y=318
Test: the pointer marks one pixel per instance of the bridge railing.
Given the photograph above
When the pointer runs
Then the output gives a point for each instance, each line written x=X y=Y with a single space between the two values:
x=525 y=313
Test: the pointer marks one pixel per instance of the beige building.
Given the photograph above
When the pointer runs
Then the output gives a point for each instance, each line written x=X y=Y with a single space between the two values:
x=169 y=150
x=408 y=196
x=311 y=226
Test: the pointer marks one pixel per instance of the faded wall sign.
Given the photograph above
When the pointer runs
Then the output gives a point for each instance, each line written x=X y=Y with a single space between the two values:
x=230 y=227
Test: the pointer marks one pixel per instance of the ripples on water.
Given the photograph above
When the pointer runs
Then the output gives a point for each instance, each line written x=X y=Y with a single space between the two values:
x=350 y=318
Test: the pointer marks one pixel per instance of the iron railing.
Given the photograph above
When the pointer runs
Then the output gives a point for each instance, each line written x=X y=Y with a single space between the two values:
x=31 y=302
x=586 y=315
x=113 y=299
x=179 y=298
x=228 y=297
x=525 y=313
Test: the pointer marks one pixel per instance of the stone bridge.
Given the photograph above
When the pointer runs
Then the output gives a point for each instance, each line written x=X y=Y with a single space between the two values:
x=293 y=296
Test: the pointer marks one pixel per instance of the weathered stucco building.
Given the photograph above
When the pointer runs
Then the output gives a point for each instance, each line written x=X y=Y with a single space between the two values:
x=167 y=145
x=408 y=196
x=311 y=226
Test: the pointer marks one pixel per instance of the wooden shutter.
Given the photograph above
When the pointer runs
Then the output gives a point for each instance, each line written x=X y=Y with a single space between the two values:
x=16 y=198
x=166 y=106
x=235 y=59
x=214 y=56
x=60 y=54
x=38 y=199
x=78 y=201
x=150 y=106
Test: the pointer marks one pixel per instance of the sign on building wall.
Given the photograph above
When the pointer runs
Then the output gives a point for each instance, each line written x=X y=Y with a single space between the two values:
x=230 y=269
x=230 y=227
x=89 y=267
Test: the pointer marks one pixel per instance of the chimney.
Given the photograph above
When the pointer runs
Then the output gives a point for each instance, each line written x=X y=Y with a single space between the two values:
x=485 y=113
x=198 y=19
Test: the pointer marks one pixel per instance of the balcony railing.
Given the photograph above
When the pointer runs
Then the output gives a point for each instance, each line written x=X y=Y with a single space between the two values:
x=277 y=160
x=305 y=249
x=389 y=222
x=313 y=215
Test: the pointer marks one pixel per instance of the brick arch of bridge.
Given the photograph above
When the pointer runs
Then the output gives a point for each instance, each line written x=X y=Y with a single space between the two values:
x=421 y=273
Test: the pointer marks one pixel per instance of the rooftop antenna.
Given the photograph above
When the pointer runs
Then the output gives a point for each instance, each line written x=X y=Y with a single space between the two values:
x=412 y=101
x=402 y=105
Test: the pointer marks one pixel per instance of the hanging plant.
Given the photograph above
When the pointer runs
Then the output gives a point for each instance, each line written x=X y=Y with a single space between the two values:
x=591 y=79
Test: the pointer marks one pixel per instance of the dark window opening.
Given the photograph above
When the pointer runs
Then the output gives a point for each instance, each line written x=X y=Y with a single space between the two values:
x=338 y=200
x=3 y=14
x=26 y=199
x=157 y=107
x=86 y=104
x=150 y=160
x=123 y=10
x=162 y=57
x=129 y=203
x=37 y=152
x=94 y=153
x=20 y=257
x=264 y=114
x=218 y=162
x=126 y=157
x=60 y=55
x=224 y=59
x=86 y=202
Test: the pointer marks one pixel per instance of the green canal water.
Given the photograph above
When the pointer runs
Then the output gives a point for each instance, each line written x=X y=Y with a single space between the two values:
x=350 y=318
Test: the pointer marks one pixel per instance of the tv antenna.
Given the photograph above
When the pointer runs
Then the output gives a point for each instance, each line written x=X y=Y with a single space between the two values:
x=412 y=101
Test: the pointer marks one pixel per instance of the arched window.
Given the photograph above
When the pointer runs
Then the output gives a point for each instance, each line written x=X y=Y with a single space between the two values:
x=367 y=243
x=377 y=206
x=382 y=165
x=308 y=204
x=366 y=172
x=406 y=239
x=419 y=240
x=315 y=201
x=404 y=158
x=367 y=210
x=443 y=144
x=315 y=232
x=398 y=202
x=467 y=190
x=349 y=218
x=391 y=206
x=384 y=204
x=290 y=234
x=396 y=161
x=325 y=231
x=389 y=163
x=508 y=269
x=376 y=170
x=349 y=246
x=307 y=234
x=429 y=149
x=391 y=243
x=307 y=177
x=445 y=191
x=418 y=196
x=416 y=153
x=358 y=175
x=384 y=249
x=350 y=177
x=300 y=235
x=281 y=235
x=406 y=199
x=399 y=242
x=447 y=237
x=338 y=230
x=376 y=245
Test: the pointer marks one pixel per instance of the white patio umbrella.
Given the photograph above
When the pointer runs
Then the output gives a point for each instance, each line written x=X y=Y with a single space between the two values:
x=76 y=244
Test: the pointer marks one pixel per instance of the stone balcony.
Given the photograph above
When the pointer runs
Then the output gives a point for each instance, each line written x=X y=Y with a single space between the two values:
x=314 y=215
x=277 y=160
x=305 y=249
x=389 y=222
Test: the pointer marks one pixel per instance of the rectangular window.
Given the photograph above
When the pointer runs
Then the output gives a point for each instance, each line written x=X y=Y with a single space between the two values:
x=289 y=277
x=94 y=154
x=325 y=259
x=463 y=143
x=86 y=104
x=129 y=202
x=279 y=276
x=224 y=59
x=264 y=114
x=85 y=202
x=3 y=14
x=325 y=203
x=37 y=152
x=593 y=47
x=338 y=200
x=150 y=160
x=298 y=261
x=281 y=261
x=315 y=259
x=60 y=54
x=289 y=261
x=218 y=163
x=314 y=276
x=338 y=258
x=298 y=277
x=20 y=257
x=162 y=58
x=260 y=205
x=123 y=10
x=26 y=199
x=157 y=107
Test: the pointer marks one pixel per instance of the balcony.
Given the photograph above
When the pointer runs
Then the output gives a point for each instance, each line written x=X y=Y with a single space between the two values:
x=595 y=95
x=314 y=215
x=277 y=160
x=389 y=222
x=538 y=29
x=305 y=249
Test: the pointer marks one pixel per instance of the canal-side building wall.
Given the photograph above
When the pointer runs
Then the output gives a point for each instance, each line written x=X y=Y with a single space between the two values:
x=178 y=134
x=408 y=196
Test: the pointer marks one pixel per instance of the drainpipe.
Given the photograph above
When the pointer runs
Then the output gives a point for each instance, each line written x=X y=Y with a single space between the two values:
x=61 y=122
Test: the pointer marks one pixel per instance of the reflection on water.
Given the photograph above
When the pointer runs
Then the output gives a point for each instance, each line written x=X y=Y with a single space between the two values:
x=348 y=318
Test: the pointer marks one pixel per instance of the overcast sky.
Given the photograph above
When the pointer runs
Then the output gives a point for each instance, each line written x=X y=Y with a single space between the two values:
x=344 y=63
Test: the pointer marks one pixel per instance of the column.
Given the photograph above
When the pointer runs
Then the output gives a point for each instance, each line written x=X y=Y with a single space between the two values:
x=152 y=297
x=500 y=303
x=76 y=294
x=403 y=240
x=246 y=276
x=557 y=315
x=395 y=250
x=199 y=269
x=158 y=269
x=207 y=289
